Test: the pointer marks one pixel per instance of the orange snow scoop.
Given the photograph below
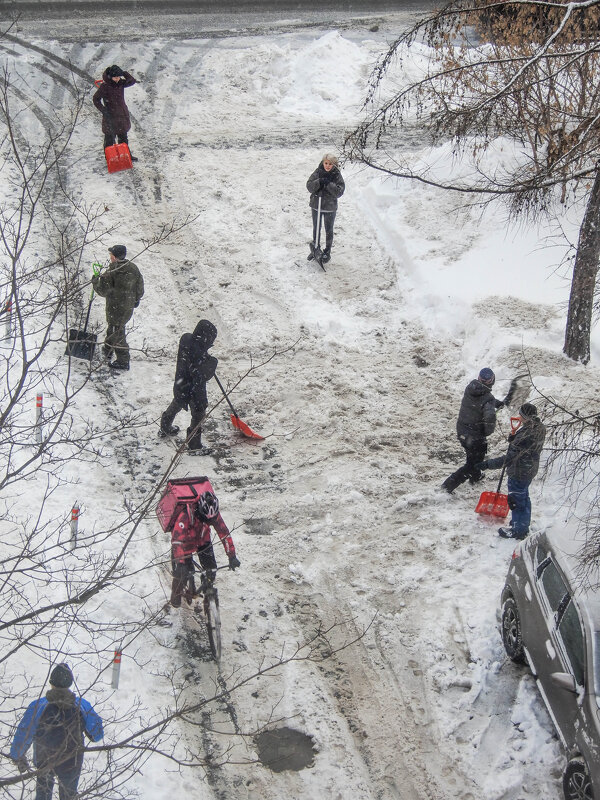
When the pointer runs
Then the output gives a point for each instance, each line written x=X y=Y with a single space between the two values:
x=235 y=420
x=493 y=504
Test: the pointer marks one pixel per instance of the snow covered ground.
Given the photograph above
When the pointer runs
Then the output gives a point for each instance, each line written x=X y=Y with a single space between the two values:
x=338 y=515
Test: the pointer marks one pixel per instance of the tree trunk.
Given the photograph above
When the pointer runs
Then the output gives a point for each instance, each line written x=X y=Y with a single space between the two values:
x=581 y=301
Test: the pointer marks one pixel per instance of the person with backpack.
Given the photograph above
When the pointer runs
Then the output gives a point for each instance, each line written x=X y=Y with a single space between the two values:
x=192 y=534
x=476 y=421
x=194 y=368
x=325 y=184
x=110 y=102
x=522 y=461
x=56 y=725
x=123 y=287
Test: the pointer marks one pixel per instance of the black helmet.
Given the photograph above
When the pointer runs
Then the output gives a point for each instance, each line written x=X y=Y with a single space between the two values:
x=208 y=505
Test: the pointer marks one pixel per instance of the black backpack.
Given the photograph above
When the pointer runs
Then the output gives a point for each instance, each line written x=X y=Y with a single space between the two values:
x=59 y=736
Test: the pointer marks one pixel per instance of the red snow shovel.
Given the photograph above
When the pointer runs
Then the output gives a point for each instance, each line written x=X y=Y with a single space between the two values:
x=235 y=420
x=493 y=504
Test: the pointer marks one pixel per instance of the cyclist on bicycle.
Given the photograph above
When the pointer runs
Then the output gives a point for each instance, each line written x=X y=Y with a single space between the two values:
x=192 y=534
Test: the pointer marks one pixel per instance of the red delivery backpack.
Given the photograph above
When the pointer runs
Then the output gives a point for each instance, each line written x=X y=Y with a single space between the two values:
x=118 y=157
x=179 y=492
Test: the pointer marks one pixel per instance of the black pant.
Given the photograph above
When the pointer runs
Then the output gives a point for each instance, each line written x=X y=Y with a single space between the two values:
x=67 y=782
x=327 y=220
x=120 y=137
x=182 y=569
x=194 y=432
x=475 y=450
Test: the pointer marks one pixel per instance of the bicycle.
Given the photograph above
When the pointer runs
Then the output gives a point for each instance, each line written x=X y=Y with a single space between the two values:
x=212 y=616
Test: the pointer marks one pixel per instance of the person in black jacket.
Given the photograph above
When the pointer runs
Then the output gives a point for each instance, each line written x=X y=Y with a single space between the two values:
x=476 y=421
x=110 y=102
x=522 y=462
x=194 y=368
x=326 y=183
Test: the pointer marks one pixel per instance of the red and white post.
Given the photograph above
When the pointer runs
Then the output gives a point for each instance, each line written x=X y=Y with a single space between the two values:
x=74 y=525
x=116 y=668
x=39 y=414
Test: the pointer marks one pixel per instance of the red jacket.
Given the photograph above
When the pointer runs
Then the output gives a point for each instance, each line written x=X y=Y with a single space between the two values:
x=188 y=535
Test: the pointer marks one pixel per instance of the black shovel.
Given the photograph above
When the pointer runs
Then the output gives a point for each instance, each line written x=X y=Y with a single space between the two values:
x=82 y=344
x=315 y=247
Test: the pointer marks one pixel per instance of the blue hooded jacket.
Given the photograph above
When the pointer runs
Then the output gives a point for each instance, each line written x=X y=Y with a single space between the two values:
x=28 y=726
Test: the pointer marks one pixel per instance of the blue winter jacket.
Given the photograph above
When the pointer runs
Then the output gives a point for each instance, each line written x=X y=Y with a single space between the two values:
x=27 y=728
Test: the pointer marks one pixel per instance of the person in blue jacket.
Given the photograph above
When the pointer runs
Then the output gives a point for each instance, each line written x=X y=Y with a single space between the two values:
x=55 y=725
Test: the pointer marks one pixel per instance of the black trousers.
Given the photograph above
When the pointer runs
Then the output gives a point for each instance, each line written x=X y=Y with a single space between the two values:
x=475 y=450
x=194 y=432
x=327 y=220
x=181 y=571
x=68 y=778
x=120 y=137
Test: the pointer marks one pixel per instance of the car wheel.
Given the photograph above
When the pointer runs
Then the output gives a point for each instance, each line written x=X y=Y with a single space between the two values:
x=511 y=631
x=576 y=782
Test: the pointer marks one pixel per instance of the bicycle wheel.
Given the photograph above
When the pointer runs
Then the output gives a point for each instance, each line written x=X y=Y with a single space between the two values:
x=213 y=624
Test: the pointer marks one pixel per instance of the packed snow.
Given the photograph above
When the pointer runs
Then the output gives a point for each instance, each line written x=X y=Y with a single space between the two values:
x=337 y=515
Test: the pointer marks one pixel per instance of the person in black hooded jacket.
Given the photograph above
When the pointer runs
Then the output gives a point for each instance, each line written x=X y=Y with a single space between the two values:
x=325 y=183
x=194 y=368
x=522 y=461
x=476 y=421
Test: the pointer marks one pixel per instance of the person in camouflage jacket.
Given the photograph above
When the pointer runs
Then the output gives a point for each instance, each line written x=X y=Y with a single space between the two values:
x=123 y=287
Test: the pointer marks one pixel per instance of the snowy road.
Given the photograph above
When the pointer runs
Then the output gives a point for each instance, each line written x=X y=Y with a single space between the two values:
x=337 y=514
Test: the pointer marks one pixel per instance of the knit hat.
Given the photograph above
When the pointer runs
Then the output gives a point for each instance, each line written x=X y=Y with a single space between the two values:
x=487 y=376
x=118 y=250
x=61 y=676
x=115 y=72
x=527 y=411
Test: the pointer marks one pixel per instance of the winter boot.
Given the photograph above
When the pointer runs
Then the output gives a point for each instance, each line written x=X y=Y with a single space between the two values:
x=175 y=593
x=326 y=256
x=117 y=365
x=508 y=532
x=172 y=430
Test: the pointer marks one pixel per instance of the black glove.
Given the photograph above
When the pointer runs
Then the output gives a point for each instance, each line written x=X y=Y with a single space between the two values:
x=483 y=465
x=234 y=562
x=499 y=404
x=22 y=765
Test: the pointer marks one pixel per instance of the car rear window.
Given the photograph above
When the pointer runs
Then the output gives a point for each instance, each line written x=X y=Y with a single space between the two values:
x=572 y=636
x=554 y=586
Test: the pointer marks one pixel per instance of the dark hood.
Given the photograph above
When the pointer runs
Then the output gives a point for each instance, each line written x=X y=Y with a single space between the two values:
x=206 y=332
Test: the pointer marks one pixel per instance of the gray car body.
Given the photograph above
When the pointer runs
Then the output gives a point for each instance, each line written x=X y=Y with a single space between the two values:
x=564 y=662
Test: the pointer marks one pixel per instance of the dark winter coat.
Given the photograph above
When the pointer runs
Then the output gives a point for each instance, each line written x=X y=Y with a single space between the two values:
x=56 y=724
x=195 y=366
x=477 y=415
x=522 y=459
x=326 y=185
x=123 y=286
x=110 y=101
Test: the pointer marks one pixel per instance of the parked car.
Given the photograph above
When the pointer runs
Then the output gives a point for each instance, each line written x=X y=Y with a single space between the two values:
x=551 y=621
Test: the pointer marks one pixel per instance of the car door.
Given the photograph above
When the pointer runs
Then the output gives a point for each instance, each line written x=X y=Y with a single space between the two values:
x=560 y=648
